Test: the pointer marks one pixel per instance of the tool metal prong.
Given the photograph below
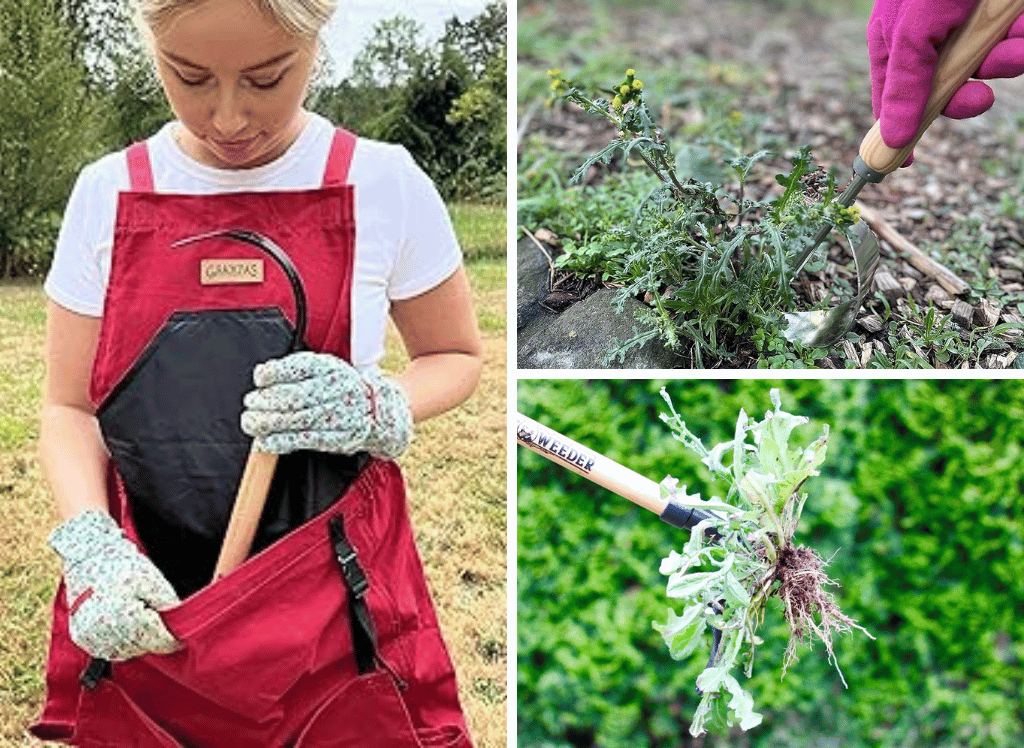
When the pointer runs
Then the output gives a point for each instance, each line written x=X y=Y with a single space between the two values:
x=200 y=237
x=846 y=200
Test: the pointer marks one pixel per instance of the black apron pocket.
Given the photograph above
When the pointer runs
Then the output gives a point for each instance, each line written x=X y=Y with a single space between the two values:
x=172 y=427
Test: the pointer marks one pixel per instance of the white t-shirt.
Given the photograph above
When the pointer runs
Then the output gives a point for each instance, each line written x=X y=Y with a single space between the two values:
x=405 y=244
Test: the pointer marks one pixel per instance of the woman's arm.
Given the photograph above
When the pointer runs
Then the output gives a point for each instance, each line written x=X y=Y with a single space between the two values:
x=112 y=590
x=440 y=333
x=71 y=449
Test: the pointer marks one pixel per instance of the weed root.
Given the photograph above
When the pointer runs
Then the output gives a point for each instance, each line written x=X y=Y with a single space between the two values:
x=811 y=610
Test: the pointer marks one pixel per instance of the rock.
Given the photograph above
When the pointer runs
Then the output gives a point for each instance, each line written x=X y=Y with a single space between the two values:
x=937 y=294
x=871 y=323
x=1013 y=319
x=531 y=282
x=581 y=336
x=888 y=286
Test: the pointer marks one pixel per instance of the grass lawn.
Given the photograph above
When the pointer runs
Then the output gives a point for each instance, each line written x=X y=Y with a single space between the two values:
x=481 y=230
x=455 y=472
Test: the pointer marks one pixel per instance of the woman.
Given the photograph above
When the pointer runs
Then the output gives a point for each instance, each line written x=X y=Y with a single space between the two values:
x=152 y=343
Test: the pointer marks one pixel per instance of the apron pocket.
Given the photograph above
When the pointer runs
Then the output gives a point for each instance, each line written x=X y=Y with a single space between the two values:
x=366 y=710
x=172 y=428
x=276 y=622
x=107 y=718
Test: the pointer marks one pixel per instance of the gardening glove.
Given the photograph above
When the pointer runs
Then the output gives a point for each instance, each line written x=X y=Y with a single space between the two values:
x=113 y=590
x=904 y=37
x=319 y=402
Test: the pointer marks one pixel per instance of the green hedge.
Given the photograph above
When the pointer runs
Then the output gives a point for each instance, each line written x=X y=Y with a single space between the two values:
x=919 y=504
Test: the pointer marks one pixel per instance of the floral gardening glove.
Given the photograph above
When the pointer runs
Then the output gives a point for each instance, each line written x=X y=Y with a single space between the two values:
x=903 y=41
x=113 y=590
x=319 y=402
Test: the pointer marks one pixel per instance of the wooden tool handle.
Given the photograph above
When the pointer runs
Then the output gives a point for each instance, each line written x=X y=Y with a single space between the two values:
x=960 y=56
x=245 y=515
x=592 y=466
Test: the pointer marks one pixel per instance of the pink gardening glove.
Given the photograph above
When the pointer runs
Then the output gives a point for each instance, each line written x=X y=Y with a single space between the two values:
x=903 y=41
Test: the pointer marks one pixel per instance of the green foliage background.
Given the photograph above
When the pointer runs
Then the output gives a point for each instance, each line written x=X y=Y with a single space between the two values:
x=919 y=503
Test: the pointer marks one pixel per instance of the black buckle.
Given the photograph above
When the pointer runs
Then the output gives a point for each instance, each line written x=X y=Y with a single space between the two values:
x=363 y=637
x=355 y=577
x=96 y=671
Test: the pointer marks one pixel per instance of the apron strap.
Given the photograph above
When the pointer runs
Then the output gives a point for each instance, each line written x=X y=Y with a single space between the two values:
x=340 y=158
x=140 y=174
x=364 y=640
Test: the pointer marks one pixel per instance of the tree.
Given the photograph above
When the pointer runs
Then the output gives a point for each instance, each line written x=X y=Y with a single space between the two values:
x=481 y=114
x=392 y=56
x=50 y=125
x=444 y=101
x=480 y=39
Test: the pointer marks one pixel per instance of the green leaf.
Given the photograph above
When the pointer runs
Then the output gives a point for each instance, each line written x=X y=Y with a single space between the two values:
x=689 y=585
x=672 y=563
x=682 y=633
x=735 y=593
x=741 y=704
x=713 y=677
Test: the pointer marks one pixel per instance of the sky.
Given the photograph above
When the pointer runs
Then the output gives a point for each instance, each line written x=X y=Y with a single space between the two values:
x=353 y=23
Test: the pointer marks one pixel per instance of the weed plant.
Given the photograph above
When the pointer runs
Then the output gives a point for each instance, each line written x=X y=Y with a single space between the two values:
x=918 y=510
x=726 y=581
x=713 y=263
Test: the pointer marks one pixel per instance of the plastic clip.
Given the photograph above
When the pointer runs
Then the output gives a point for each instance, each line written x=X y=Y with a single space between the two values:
x=94 y=673
x=355 y=577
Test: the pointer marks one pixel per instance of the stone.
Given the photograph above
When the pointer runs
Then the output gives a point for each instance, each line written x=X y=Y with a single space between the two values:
x=581 y=336
x=531 y=283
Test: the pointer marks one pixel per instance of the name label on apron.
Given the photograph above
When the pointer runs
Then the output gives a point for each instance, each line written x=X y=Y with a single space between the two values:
x=219 y=271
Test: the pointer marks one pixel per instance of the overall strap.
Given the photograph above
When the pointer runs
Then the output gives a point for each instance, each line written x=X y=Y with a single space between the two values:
x=364 y=638
x=339 y=159
x=140 y=174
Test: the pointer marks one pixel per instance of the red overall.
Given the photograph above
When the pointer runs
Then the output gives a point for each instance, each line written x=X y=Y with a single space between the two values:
x=268 y=656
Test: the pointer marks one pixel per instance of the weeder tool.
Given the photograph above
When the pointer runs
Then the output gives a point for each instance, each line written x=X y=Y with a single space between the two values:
x=609 y=474
x=259 y=467
x=959 y=57
x=620 y=480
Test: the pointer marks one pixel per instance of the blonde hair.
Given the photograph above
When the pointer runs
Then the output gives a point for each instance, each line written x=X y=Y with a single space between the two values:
x=303 y=18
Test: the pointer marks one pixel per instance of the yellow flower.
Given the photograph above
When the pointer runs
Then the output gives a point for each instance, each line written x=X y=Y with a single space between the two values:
x=617 y=102
x=555 y=72
x=624 y=89
x=630 y=73
x=638 y=85
x=555 y=84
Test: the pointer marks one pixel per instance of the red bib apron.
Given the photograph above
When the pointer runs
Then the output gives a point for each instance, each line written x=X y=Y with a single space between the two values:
x=327 y=637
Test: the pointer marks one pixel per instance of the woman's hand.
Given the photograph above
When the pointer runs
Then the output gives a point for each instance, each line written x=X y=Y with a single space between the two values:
x=113 y=591
x=320 y=402
x=904 y=37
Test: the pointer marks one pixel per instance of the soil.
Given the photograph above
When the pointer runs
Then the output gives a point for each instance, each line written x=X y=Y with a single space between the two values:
x=807 y=77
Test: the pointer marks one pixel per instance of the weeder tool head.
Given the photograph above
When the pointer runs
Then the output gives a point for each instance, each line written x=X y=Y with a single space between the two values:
x=822 y=328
